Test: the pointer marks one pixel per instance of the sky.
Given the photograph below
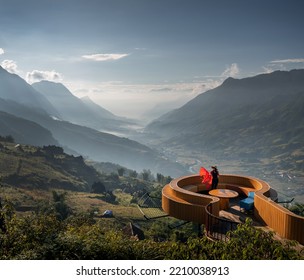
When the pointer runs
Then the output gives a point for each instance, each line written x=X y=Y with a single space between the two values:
x=141 y=58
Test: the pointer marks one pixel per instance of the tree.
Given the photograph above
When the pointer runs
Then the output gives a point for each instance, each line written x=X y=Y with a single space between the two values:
x=42 y=236
x=298 y=209
x=110 y=197
x=8 y=139
x=98 y=187
x=249 y=243
x=160 y=178
x=2 y=219
x=133 y=174
x=52 y=149
x=245 y=243
x=163 y=179
x=62 y=210
x=113 y=176
x=121 y=171
x=146 y=174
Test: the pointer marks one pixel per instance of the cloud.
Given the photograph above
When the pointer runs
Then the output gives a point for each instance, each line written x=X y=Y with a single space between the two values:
x=290 y=60
x=37 y=76
x=206 y=85
x=1 y=51
x=281 y=64
x=231 y=71
x=135 y=100
x=105 y=56
x=162 y=89
x=267 y=70
x=10 y=66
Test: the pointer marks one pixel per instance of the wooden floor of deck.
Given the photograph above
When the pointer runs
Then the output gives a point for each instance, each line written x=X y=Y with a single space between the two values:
x=234 y=213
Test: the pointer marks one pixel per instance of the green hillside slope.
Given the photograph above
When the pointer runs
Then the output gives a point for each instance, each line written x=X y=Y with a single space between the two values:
x=31 y=167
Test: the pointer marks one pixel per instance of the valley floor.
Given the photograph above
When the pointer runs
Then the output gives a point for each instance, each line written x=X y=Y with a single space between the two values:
x=288 y=183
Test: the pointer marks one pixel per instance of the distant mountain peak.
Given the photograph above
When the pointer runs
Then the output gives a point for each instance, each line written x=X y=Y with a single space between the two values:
x=51 y=88
x=267 y=80
x=14 y=88
x=86 y=98
x=229 y=81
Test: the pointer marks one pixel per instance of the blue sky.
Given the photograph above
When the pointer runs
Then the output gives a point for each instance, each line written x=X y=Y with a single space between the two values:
x=134 y=56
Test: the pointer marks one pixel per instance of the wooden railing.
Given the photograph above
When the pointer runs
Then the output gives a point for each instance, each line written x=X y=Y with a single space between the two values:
x=182 y=199
x=217 y=227
x=280 y=219
x=188 y=205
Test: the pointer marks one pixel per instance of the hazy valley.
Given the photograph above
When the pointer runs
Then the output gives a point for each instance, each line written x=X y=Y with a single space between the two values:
x=251 y=126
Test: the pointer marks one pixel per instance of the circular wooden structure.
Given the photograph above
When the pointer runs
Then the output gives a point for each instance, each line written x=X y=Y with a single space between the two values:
x=186 y=198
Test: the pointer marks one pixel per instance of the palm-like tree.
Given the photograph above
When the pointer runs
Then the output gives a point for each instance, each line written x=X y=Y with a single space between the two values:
x=298 y=209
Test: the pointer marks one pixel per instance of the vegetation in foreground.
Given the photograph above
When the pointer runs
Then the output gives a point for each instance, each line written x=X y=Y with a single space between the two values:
x=57 y=234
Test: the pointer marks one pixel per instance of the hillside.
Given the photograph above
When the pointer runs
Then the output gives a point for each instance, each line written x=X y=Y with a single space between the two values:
x=25 y=131
x=48 y=167
x=255 y=118
x=13 y=88
x=81 y=140
x=76 y=139
x=29 y=175
x=25 y=166
x=81 y=111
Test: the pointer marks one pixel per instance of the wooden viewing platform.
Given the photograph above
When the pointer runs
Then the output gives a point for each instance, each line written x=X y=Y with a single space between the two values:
x=186 y=198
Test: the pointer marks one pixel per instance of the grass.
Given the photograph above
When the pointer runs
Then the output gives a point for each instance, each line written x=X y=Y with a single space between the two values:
x=122 y=198
x=26 y=200
x=34 y=173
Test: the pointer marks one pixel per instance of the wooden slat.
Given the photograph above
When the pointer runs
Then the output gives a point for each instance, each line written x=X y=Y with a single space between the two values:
x=181 y=200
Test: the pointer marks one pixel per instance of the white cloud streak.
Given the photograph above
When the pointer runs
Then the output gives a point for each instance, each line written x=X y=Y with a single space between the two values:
x=231 y=71
x=105 y=56
x=10 y=66
x=290 y=60
x=267 y=70
x=282 y=65
x=1 y=51
x=37 y=76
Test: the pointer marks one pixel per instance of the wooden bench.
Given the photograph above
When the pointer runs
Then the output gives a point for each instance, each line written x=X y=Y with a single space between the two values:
x=191 y=188
x=242 y=190
x=179 y=205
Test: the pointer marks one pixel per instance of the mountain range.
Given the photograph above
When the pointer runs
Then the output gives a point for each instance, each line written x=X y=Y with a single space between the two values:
x=13 y=88
x=37 y=118
x=258 y=118
x=82 y=111
x=25 y=131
